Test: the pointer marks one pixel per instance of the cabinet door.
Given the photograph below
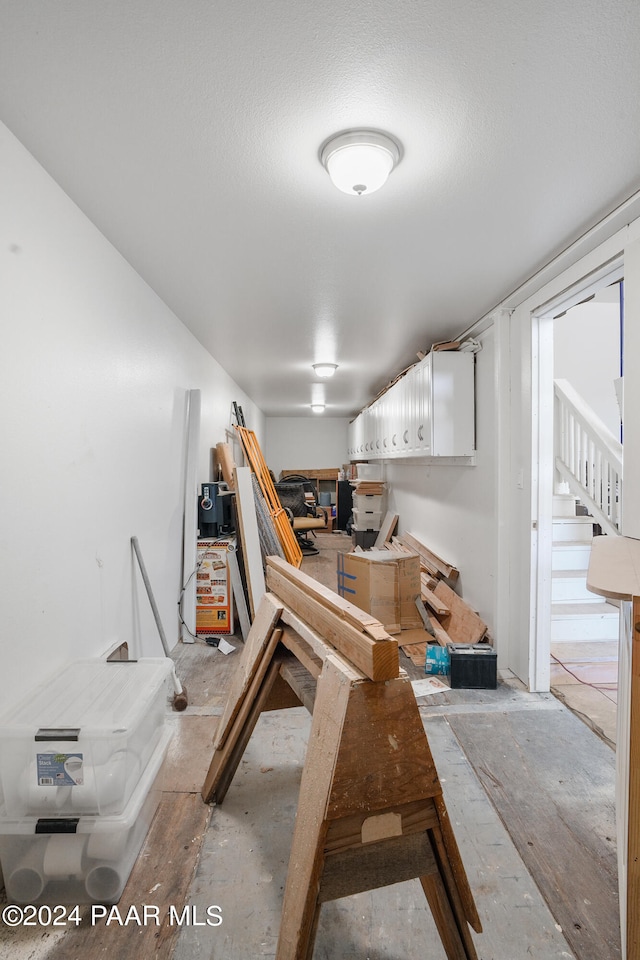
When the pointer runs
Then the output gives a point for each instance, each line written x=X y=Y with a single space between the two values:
x=423 y=408
x=405 y=432
x=453 y=404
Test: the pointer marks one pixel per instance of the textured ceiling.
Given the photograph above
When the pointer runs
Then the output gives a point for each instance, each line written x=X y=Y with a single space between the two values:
x=189 y=133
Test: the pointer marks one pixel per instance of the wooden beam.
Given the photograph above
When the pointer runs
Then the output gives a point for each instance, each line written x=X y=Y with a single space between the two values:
x=437 y=604
x=377 y=659
x=342 y=608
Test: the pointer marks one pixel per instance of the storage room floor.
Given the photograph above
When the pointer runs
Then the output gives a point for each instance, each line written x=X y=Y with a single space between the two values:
x=529 y=789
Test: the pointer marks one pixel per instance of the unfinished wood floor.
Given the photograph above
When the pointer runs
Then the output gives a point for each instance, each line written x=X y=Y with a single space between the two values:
x=529 y=788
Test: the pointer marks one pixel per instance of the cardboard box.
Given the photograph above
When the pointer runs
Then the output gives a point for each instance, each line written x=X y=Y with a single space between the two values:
x=214 y=597
x=384 y=584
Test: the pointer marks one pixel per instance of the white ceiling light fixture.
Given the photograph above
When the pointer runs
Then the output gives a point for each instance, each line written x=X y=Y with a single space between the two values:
x=317 y=407
x=359 y=161
x=324 y=370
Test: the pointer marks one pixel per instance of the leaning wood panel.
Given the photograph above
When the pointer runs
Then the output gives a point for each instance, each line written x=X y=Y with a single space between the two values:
x=261 y=630
x=463 y=624
x=287 y=538
x=377 y=659
x=248 y=523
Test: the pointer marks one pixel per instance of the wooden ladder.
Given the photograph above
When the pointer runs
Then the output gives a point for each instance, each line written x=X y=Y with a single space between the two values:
x=370 y=810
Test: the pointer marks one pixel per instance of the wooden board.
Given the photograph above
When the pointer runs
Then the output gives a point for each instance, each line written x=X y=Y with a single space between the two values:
x=377 y=659
x=347 y=611
x=431 y=560
x=257 y=641
x=441 y=635
x=463 y=624
x=437 y=604
x=417 y=652
x=614 y=567
x=248 y=523
x=385 y=533
x=225 y=461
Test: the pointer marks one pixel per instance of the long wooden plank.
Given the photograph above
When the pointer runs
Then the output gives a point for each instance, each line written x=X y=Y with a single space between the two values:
x=353 y=615
x=429 y=557
x=247 y=520
x=259 y=635
x=377 y=659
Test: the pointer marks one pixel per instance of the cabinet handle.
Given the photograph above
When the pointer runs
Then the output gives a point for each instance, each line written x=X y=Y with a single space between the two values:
x=405 y=436
x=393 y=440
x=420 y=429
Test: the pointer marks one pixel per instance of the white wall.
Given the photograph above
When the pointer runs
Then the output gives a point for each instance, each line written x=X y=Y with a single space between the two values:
x=94 y=372
x=452 y=508
x=305 y=443
x=586 y=350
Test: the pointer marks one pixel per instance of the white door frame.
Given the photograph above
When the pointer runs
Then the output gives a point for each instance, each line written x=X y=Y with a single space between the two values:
x=542 y=460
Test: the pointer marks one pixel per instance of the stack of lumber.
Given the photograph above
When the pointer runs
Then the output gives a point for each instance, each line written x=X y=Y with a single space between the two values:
x=367 y=488
x=446 y=616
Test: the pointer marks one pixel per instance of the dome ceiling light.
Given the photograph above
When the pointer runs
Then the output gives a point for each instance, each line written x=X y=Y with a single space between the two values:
x=360 y=161
x=317 y=407
x=324 y=370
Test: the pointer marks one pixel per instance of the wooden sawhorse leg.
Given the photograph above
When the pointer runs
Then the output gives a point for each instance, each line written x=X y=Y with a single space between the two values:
x=371 y=813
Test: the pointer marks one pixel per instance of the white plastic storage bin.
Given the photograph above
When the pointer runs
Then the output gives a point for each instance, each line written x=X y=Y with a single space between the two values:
x=85 y=859
x=369 y=471
x=366 y=519
x=80 y=742
x=367 y=502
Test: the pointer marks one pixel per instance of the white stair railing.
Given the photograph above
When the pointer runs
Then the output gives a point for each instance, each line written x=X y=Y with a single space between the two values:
x=588 y=457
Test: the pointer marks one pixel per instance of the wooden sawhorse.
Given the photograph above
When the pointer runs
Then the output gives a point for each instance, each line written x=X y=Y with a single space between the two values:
x=370 y=810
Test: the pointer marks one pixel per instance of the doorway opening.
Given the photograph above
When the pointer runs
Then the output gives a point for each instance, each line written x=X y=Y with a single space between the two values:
x=587 y=368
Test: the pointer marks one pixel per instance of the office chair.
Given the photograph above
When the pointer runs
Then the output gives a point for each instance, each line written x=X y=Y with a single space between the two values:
x=298 y=497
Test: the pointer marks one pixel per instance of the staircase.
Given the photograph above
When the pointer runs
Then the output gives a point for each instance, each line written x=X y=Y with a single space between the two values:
x=578 y=617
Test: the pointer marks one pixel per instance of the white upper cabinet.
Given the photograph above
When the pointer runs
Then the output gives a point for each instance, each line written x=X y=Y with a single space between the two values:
x=428 y=413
